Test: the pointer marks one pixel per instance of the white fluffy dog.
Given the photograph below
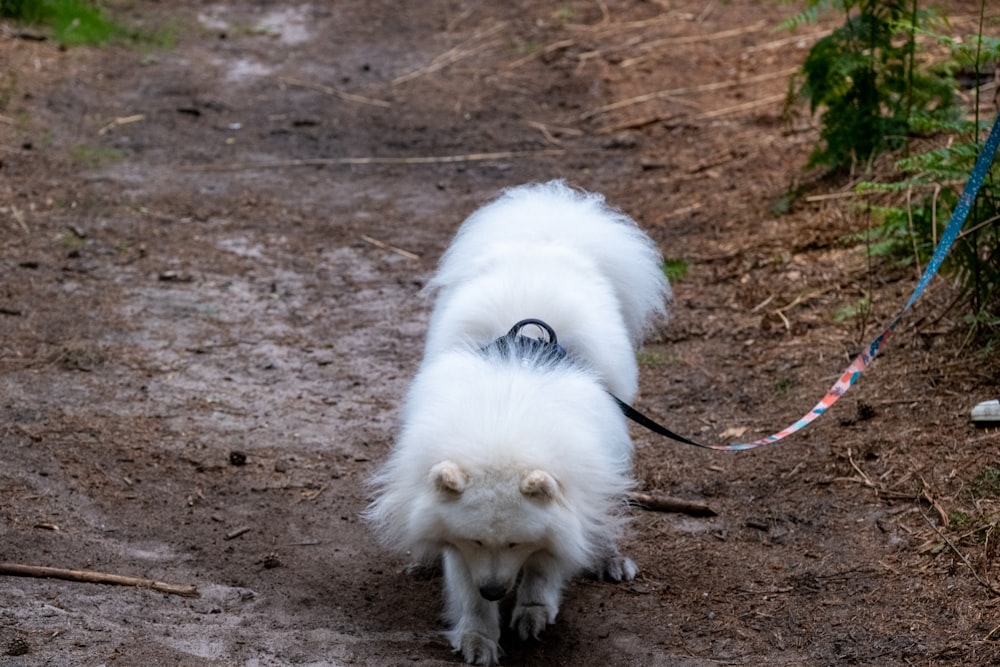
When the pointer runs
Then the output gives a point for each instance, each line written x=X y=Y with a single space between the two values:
x=514 y=459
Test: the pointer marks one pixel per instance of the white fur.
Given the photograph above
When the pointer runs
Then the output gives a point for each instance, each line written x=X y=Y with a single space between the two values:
x=514 y=472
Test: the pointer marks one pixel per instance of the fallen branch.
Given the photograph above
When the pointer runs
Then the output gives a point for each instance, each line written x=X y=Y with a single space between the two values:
x=669 y=504
x=687 y=90
x=88 y=576
x=369 y=160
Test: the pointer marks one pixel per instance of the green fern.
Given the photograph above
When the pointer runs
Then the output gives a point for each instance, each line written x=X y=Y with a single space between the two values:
x=810 y=15
x=907 y=233
x=865 y=78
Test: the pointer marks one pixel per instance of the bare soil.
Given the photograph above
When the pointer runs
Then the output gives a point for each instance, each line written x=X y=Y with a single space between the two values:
x=211 y=259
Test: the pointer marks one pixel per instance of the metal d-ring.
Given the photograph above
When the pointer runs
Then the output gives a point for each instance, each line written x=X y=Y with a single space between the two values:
x=538 y=323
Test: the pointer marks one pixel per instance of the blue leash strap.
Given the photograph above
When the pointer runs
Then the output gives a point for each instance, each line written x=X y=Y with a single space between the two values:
x=861 y=363
x=961 y=212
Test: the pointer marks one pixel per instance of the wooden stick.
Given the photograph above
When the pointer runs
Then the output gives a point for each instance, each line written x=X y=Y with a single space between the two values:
x=832 y=195
x=236 y=532
x=785 y=41
x=20 y=570
x=121 y=120
x=687 y=90
x=347 y=161
x=746 y=106
x=669 y=504
x=385 y=246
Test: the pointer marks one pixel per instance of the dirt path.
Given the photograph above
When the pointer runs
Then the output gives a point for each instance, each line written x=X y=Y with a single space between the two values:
x=210 y=260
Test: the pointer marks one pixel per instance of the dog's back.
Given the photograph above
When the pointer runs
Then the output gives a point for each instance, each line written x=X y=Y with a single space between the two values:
x=550 y=252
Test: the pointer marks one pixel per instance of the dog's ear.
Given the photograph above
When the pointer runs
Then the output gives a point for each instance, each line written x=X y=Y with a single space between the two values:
x=449 y=478
x=539 y=484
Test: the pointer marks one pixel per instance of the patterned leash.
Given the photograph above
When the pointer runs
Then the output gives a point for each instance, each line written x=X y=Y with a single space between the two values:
x=865 y=359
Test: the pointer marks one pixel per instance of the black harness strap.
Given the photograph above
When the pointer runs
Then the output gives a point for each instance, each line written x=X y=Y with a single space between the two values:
x=653 y=426
x=551 y=352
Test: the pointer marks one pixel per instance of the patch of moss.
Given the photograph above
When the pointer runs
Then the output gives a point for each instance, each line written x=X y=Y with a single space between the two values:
x=987 y=483
x=675 y=269
x=77 y=22
x=96 y=156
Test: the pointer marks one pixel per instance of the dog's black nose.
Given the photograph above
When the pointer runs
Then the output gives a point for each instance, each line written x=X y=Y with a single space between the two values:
x=492 y=592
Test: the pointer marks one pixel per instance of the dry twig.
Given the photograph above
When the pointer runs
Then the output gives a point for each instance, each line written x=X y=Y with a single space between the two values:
x=687 y=90
x=987 y=585
x=370 y=160
x=455 y=54
x=89 y=576
x=799 y=39
x=548 y=130
x=540 y=53
x=312 y=494
x=863 y=476
x=121 y=120
x=236 y=532
x=385 y=246
x=691 y=39
x=745 y=106
x=831 y=195
x=669 y=504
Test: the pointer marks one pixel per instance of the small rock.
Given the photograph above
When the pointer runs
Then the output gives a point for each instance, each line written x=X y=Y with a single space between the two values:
x=237 y=458
x=986 y=414
x=171 y=276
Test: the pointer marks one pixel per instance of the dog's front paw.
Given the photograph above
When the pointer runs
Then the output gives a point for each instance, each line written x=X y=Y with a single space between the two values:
x=618 y=568
x=530 y=619
x=477 y=649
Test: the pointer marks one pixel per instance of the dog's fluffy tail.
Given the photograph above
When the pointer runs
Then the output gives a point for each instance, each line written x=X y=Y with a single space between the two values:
x=553 y=212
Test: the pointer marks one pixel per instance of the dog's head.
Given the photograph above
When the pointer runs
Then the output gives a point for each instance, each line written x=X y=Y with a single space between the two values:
x=493 y=521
